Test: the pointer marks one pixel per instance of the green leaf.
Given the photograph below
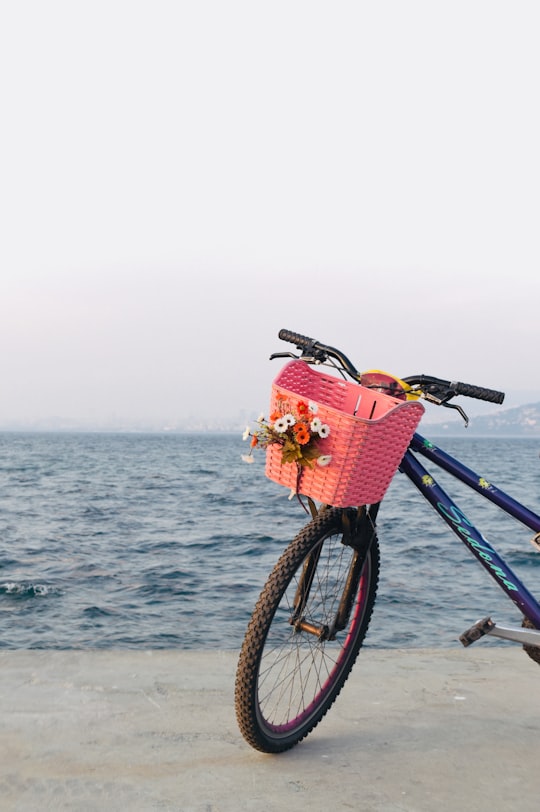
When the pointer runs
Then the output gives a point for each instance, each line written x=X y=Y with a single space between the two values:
x=310 y=452
x=291 y=451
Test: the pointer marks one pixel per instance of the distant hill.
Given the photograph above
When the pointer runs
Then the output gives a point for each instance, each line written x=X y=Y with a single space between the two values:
x=521 y=421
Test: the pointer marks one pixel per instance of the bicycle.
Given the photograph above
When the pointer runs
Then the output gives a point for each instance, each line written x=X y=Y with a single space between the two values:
x=313 y=613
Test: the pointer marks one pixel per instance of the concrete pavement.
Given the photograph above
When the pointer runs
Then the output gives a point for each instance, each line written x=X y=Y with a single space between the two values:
x=413 y=731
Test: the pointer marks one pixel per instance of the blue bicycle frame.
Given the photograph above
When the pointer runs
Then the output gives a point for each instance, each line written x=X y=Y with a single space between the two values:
x=466 y=531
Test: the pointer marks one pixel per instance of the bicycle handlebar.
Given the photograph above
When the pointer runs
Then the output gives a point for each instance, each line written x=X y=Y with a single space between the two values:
x=310 y=346
x=302 y=342
x=453 y=388
x=436 y=387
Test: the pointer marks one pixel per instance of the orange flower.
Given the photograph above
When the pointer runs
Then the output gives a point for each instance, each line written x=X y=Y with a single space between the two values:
x=281 y=396
x=302 y=407
x=275 y=416
x=301 y=433
x=254 y=441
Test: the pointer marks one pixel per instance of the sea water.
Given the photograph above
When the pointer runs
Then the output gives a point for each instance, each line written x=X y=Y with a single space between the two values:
x=165 y=541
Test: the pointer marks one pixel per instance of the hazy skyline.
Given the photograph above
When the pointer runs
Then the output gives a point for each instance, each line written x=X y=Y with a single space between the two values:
x=181 y=180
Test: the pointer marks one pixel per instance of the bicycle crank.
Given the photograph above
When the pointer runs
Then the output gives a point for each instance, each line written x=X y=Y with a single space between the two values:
x=485 y=626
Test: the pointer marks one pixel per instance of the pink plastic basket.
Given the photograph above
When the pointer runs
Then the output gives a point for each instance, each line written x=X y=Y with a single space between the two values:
x=369 y=434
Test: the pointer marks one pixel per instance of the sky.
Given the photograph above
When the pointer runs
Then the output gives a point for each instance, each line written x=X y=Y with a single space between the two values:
x=180 y=180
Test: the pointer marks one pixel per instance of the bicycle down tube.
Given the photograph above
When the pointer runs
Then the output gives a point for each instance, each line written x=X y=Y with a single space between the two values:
x=460 y=524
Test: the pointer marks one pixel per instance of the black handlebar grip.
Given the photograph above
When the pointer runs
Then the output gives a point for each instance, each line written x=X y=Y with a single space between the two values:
x=302 y=342
x=478 y=392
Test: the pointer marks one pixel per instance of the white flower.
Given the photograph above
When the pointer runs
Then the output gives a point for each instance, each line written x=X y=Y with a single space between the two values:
x=313 y=408
x=291 y=419
x=247 y=457
x=246 y=433
x=324 y=459
x=324 y=430
x=316 y=424
x=281 y=425
x=260 y=418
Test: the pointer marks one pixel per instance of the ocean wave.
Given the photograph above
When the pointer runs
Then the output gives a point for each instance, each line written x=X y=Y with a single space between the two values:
x=23 y=590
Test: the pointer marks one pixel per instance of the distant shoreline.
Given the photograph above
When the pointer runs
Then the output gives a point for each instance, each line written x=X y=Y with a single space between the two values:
x=518 y=421
x=433 y=431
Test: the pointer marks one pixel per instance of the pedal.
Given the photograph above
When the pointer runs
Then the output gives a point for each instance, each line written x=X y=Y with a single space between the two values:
x=478 y=630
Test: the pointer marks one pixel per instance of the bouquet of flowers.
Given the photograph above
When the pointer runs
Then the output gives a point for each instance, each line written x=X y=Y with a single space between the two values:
x=296 y=428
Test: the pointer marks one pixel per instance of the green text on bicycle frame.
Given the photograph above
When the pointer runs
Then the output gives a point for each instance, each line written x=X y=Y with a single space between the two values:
x=462 y=523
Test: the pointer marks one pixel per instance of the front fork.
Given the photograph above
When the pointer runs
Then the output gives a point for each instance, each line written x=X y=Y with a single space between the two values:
x=358 y=527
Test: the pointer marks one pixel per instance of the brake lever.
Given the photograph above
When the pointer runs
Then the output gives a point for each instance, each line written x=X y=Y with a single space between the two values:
x=443 y=400
x=283 y=355
x=313 y=356
x=458 y=409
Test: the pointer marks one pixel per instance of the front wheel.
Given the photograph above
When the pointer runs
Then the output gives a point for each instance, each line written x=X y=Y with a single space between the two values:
x=307 y=629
